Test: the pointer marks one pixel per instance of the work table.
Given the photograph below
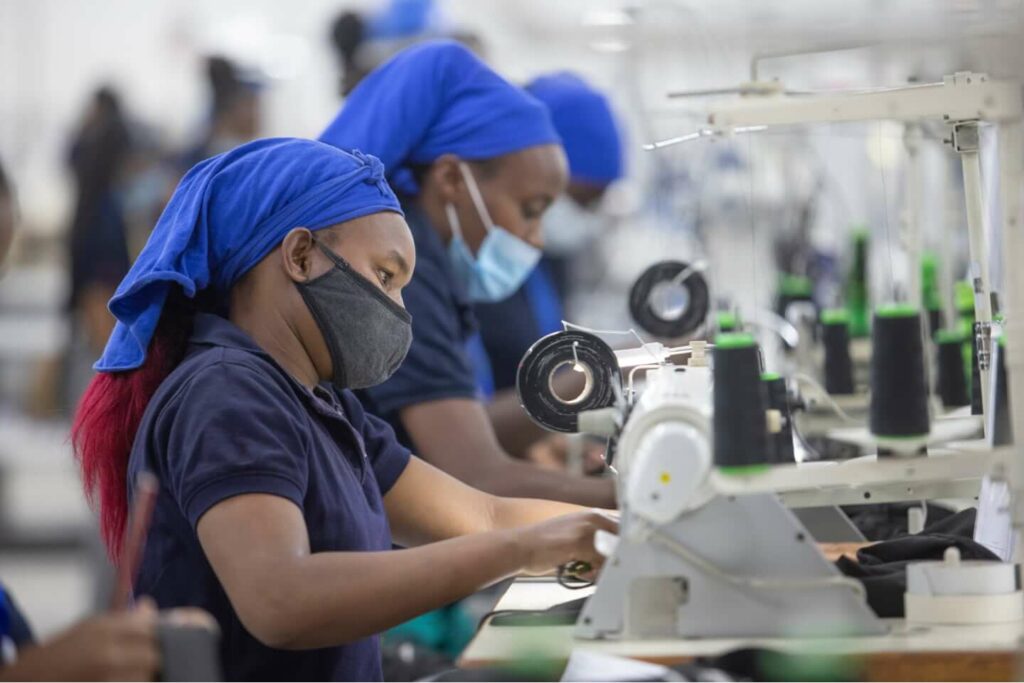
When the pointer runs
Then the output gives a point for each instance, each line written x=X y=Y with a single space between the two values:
x=907 y=652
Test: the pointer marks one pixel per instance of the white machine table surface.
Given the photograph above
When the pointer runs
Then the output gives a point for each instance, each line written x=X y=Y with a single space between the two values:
x=906 y=653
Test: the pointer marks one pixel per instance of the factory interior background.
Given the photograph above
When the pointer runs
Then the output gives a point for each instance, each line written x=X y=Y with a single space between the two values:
x=753 y=207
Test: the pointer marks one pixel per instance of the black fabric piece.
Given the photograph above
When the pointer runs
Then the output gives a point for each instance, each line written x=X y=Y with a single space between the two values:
x=562 y=614
x=757 y=664
x=882 y=567
x=886 y=521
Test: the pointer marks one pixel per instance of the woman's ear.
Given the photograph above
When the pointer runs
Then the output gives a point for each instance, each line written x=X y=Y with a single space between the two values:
x=297 y=254
x=445 y=176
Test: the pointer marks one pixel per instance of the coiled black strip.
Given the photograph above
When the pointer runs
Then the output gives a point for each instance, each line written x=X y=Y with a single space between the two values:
x=656 y=322
x=534 y=379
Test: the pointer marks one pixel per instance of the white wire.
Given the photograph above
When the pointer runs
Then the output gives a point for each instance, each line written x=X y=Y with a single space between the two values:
x=566 y=325
x=639 y=367
x=674 y=546
x=807 y=379
x=697 y=266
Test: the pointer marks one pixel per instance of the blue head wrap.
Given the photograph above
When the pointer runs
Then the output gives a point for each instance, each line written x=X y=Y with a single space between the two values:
x=584 y=120
x=437 y=98
x=229 y=212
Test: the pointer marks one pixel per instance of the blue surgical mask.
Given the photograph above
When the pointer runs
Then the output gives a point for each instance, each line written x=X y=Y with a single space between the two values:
x=502 y=263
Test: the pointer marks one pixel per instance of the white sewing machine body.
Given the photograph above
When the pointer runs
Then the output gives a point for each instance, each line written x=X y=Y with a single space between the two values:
x=691 y=562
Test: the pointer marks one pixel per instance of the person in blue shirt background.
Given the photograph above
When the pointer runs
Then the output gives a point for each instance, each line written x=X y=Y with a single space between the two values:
x=477 y=162
x=592 y=139
x=270 y=288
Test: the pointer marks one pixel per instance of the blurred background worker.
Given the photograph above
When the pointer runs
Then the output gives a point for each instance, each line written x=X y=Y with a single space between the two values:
x=592 y=140
x=234 y=111
x=116 y=645
x=478 y=162
x=97 y=241
x=119 y=646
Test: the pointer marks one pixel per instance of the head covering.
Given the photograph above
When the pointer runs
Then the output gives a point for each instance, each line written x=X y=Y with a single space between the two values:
x=586 y=124
x=437 y=98
x=229 y=212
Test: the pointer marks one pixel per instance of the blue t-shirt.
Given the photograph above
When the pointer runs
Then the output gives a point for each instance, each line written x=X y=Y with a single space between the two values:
x=230 y=421
x=508 y=328
x=437 y=365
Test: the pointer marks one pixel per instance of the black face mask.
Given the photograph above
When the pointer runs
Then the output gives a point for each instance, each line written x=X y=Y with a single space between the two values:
x=367 y=334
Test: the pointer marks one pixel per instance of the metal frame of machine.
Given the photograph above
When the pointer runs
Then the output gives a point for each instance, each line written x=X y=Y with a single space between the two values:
x=962 y=101
x=737 y=590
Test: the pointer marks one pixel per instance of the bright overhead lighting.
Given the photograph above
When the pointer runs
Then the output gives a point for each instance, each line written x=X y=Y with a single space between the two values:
x=610 y=45
x=608 y=17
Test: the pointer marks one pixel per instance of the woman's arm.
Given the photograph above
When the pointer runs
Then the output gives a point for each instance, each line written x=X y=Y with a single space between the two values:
x=427 y=505
x=456 y=435
x=515 y=430
x=288 y=597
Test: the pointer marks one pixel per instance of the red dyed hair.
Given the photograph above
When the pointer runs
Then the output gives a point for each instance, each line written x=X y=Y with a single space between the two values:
x=108 y=418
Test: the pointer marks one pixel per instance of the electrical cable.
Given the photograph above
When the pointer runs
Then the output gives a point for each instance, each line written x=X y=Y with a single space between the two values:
x=806 y=445
x=807 y=379
x=567 y=578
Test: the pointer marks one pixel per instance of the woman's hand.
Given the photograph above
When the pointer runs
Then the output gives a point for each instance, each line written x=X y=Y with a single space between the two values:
x=119 y=646
x=565 y=539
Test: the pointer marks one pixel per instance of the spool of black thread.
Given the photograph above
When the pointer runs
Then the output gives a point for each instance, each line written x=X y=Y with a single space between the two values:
x=780 y=444
x=899 y=391
x=934 y=321
x=835 y=336
x=739 y=424
x=1002 y=429
x=976 y=402
x=952 y=380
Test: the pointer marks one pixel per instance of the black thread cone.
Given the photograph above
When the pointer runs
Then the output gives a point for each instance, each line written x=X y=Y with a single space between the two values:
x=835 y=336
x=739 y=423
x=952 y=380
x=899 y=393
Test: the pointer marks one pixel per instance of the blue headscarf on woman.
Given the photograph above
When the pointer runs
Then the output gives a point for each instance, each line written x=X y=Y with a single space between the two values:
x=437 y=98
x=229 y=212
x=586 y=123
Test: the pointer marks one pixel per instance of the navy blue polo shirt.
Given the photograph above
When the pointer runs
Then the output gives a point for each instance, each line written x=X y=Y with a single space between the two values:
x=230 y=421
x=437 y=365
x=508 y=328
